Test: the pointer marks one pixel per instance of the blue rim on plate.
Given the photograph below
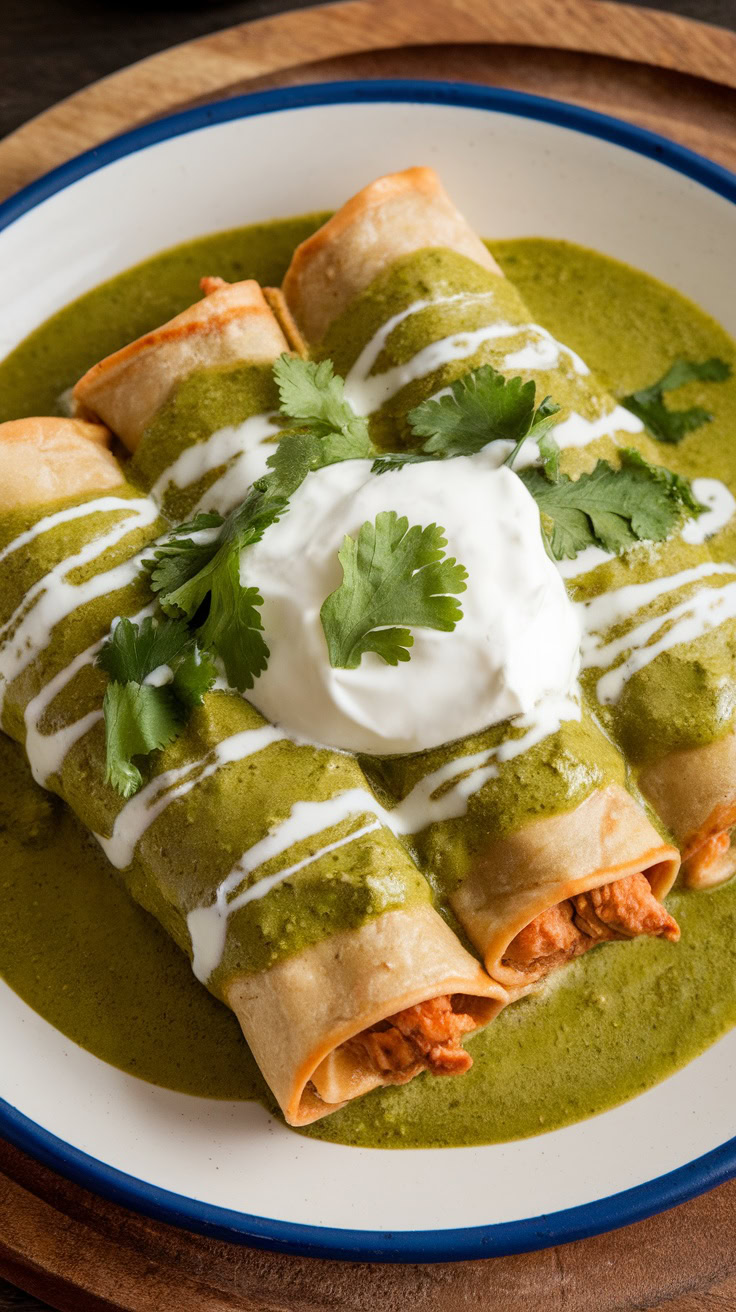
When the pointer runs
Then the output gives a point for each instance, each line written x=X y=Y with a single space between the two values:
x=320 y=1241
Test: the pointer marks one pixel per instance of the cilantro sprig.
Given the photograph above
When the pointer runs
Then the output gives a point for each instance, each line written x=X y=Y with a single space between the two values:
x=394 y=578
x=481 y=407
x=609 y=508
x=201 y=581
x=313 y=400
x=187 y=576
x=664 y=423
x=142 y=717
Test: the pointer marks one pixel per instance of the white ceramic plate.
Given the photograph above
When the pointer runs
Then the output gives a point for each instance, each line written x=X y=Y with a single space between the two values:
x=516 y=165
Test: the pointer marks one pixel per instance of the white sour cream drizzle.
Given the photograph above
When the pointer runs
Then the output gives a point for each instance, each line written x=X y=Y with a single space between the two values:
x=721 y=507
x=544 y=353
x=101 y=505
x=46 y=751
x=367 y=392
x=159 y=677
x=466 y=774
x=585 y=562
x=577 y=431
x=28 y=631
x=244 y=448
x=601 y=613
x=705 y=610
x=688 y=620
x=141 y=810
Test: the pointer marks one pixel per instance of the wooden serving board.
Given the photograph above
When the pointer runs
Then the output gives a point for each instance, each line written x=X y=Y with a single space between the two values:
x=664 y=72
x=58 y=1241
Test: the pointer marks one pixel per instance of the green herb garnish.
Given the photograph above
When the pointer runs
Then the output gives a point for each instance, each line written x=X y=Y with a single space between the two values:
x=481 y=407
x=178 y=558
x=188 y=576
x=143 y=717
x=669 y=425
x=313 y=399
x=392 y=575
x=549 y=455
x=609 y=508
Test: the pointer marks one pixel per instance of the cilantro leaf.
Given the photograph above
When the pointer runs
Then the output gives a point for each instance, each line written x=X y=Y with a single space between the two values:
x=673 y=425
x=542 y=421
x=314 y=396
x=138 y=719
x=142 y=717
x=350 y=445
x=194 y=675
x=179 y=558
x=679 y=488
x=609 y=508
x=232 y=626
x=549 y=454
x=397 y=459
x=544 y=418
x=189 y=576
x=480 y=407
x=298 y=454
x=244 y=526
x=393 y=576
x=133 y=651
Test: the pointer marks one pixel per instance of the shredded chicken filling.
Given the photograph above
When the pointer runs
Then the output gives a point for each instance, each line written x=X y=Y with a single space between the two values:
x=706 y=849
x=623 y=909
x=424 y=1037
x=428 y=1036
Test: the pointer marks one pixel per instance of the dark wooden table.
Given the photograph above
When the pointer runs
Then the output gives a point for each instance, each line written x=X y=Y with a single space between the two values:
x=51 y=48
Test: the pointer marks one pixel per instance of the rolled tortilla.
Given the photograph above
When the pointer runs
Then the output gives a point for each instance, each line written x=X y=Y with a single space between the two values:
x=379 y=989
x=694 y=791
x=387 y=260
x=306 y=1019
x=69 y=458
x=408 y=272
x=564 y=883
x=232 y=323
x=393 y=216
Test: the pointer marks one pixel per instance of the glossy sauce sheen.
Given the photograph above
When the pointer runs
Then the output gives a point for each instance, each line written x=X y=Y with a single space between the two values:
x=100 y=969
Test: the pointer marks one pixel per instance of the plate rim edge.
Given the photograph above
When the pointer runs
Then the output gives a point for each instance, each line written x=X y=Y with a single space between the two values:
x=438 y=1245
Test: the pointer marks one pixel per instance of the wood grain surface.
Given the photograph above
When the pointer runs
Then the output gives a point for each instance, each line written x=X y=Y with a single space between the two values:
x=83 y=1254
x=659 y=69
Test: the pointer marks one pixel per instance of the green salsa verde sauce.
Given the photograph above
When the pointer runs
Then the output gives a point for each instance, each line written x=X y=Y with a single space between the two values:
x=99 y=968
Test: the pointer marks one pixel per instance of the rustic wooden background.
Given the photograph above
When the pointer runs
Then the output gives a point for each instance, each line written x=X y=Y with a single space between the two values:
x=50 y=49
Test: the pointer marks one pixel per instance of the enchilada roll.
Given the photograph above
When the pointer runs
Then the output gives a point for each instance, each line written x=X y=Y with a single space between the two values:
x=397 y=215
x=64 y=453
x=546 y=852
x=195 y=400
x=659 y=660
x=428 y=313
x=268 y=861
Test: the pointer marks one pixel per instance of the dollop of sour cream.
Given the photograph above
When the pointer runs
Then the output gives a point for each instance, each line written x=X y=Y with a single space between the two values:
x=517 y=641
